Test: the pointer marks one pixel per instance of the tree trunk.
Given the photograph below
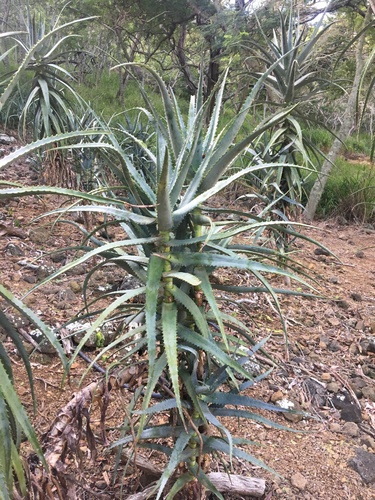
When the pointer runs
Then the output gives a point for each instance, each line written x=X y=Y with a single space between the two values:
x=348 y=123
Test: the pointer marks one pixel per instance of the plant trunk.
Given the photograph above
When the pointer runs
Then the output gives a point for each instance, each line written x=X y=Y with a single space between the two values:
x=344 y=132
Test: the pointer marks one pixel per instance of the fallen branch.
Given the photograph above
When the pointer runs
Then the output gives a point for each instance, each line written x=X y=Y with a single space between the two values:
x=232 y=483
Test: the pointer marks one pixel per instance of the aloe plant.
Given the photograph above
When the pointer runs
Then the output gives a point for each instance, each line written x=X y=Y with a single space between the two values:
x=173 y=242
x=293 y=81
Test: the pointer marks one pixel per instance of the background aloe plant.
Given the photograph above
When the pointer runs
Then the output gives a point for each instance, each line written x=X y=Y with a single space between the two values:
x=292 y=82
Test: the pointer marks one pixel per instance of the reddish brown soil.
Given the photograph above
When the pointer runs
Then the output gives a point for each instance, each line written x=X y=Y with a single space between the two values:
x=320 y=452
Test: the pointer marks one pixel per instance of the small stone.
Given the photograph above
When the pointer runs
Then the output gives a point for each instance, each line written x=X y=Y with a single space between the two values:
x=353 y=349
x=14 y=250
x=342 y=303
x=293 y=406
x=101 y=485
x=334 y=346
x=334 y=321
x=326 y=377
x=333 y=387
x=356 y=296
x=7 y=139
x=360 y=325
x=360 y=255
x=276 y=396
x=364 y=464
x=39 y=235
x=335 y=427
x=30 y=279
x=57 y=257
x=75 y=286
x=368 y=441
x=298 y=481
x=369 y=393
x=333 y=280
x=350 y=429
x=350 y=412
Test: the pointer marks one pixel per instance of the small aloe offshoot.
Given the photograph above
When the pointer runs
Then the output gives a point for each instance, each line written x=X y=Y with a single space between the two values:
x=173 y=242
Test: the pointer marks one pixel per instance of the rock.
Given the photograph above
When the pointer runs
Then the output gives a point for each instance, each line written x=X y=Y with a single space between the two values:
x=364 y=464
x=367 y=345
x=335 y=427
x=360 y=255
x=360 y=325
x=342 y=303
x=350 y=429
x=333 y=322
x=7 y=139
x=294 y=406
x=333 y=387
x=334 y=346
x=67 y=295
x=349 y=410
x=298 y=481
x=333 y=280
x=29 y=279
x=356 y=296
x=326 y=377
x=316 y=392
x=43 y=271
x=75 y=286
x=276 y=396
x=369 y=393
x=58 y=257
x=39 y=235
x=353 y=349
x=368 y=441
x=357 y=384
x=14 y=250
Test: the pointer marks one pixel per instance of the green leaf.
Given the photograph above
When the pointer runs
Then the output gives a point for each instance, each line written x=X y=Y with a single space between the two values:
x=169 y=327
x=10 y=396
x=179 y=446
x=31 y=316
x=154 y=274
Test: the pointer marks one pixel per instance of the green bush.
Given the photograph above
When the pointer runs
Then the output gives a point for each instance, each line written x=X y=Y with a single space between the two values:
x=350 y=192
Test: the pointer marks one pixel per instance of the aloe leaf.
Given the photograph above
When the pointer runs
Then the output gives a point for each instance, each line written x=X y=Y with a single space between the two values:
x=187 y=277
x=18 y=468
x=30 y=54
x=19 y=413
x=155 y=432
x=14 y=335
x=154 y=274
x=211 y=347
x=234 y=412
x=168 y=404
x=211 y=299
x=214 y=421
x=33 y=318
x=203 y=479
x=101 y=318
x=181 y=481
x=215 y=444
x=33 y=146
x=192 y=307
x=155 y=371
x=228 y=398
x=173 y=128
x=163 y=208
x=192 y=391
x=6 y=443
x=217 y=260
x=169 y=328
x=179 y=446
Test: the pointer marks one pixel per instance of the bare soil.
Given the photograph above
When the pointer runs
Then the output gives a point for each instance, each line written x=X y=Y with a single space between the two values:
x=327 y=344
